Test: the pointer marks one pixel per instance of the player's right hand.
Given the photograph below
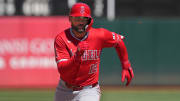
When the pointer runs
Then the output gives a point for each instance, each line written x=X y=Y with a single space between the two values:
x=82 y=46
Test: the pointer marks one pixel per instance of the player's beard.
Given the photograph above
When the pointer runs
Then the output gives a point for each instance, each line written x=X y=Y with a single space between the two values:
x=80 y=30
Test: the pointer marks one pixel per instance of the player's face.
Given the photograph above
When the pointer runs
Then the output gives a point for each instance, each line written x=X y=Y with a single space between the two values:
x=79 y=23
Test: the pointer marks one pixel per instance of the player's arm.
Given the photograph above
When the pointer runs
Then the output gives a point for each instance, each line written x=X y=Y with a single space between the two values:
x=63 y=59
x=65 y=62
x=127 y=71
x=112 y=39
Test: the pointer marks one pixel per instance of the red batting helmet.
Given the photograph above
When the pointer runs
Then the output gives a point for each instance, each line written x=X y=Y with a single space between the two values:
x=82 y=10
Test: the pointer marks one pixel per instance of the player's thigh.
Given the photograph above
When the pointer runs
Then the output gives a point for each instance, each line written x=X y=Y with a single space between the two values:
x=63 y=93
x=62 y=96
x=90 y=98
x=89 y=95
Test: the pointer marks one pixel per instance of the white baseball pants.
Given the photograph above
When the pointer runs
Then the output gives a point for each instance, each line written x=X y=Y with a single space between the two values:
x=88 y=93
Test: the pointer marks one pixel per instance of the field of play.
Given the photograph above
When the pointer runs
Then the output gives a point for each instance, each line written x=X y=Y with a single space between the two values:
x=108 y=94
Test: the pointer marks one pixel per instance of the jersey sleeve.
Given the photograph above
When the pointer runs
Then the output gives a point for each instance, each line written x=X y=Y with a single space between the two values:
x=65 y=62
x=110 y=38
x=61 y=53
x=122 y=54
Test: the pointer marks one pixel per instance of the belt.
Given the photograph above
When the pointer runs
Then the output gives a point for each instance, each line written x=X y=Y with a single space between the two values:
x=77 y=88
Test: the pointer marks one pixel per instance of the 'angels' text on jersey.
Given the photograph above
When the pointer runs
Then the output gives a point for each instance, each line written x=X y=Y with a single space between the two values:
x=91 y=55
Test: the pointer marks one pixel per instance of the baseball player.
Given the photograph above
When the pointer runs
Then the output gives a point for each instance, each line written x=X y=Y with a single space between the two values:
x=77 y=51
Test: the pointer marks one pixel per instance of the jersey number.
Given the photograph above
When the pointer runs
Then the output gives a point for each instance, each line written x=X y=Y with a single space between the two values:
x=93 y=68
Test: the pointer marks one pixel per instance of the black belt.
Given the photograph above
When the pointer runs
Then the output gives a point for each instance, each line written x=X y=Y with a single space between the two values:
x=77 y=88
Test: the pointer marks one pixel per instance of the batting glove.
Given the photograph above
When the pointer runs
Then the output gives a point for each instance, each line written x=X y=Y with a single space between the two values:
x=127 y=74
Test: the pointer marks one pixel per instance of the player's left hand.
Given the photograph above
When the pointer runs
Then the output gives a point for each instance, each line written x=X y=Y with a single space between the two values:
x=127 y=74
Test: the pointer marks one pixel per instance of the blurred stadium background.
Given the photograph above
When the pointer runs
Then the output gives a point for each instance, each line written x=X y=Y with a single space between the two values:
x=151 y=27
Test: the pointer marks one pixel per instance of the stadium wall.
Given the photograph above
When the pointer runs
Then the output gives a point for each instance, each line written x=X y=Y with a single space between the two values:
x=27 y=56
x=27 y=51
x=153 y=46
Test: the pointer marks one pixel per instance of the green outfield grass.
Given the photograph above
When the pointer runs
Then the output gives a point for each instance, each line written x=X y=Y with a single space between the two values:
x=141 y=95
x=107 y=94
x=26 y=95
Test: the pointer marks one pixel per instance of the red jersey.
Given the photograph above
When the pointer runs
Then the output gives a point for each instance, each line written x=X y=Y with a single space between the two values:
x=87 y=72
